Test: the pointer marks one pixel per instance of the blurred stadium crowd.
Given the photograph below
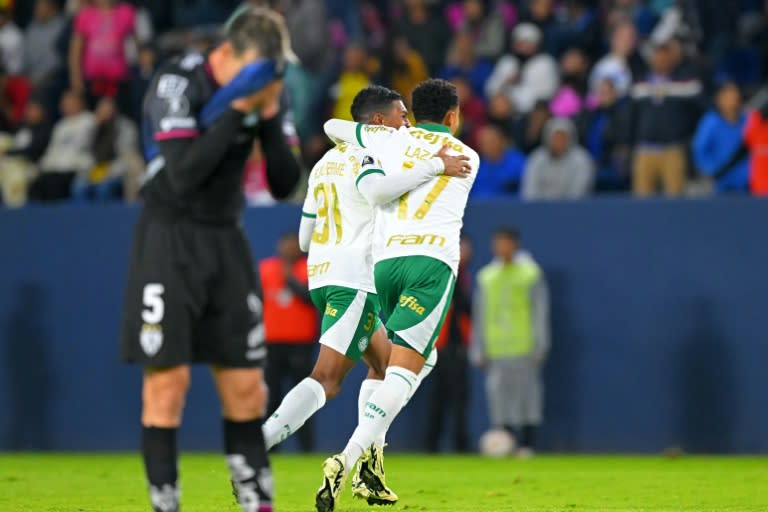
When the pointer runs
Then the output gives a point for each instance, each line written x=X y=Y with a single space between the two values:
x=562 y=98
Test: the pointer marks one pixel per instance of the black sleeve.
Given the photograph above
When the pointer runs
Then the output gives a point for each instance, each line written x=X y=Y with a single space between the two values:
x=727 y=167
x=299 y=289
x=283 y=168
x=190 y=161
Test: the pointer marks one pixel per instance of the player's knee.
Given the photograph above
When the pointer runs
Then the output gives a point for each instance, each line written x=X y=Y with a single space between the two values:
x=246 y=399
x=330 y=381
x=377 y=372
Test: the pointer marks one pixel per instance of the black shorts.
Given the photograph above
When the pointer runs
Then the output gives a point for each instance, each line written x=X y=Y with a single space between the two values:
x=192 y=297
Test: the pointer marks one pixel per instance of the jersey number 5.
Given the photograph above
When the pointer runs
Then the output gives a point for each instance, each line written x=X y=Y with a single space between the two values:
x=328 y=211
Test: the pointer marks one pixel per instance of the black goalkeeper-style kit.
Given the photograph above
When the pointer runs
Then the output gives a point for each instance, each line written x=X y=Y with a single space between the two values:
x=192 y=293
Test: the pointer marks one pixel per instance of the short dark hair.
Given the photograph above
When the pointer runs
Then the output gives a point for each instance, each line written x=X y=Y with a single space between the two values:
x=371 y=100
x=262 y=29
x=432 y=99
x=508 y=232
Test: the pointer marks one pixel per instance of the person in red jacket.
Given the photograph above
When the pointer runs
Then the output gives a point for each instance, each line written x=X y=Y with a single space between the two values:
x=756 y=146
x=290 y=323
x=450 y=381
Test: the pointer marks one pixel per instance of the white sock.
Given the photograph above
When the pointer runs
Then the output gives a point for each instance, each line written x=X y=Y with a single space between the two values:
x=296 y=408
x=367 y=387
x=380 y=411
x=429 y=365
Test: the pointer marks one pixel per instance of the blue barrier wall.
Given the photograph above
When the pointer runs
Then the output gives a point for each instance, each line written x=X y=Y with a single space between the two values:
x=660 y=313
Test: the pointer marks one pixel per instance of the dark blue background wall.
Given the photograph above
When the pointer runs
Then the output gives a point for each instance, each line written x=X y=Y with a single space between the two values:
x=660 y=313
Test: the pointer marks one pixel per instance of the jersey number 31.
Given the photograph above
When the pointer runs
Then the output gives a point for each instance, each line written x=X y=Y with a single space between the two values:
x=328 y=212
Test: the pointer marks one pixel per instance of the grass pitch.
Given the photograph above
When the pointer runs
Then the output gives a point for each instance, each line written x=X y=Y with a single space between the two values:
x=113 y=483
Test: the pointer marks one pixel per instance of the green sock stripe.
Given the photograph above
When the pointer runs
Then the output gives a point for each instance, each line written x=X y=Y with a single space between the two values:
x=404 y=378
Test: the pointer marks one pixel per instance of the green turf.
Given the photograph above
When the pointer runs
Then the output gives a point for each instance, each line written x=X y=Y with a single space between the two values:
x=113 y=483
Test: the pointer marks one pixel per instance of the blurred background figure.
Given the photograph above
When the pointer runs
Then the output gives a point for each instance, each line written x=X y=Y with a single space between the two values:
x=290 y=323
x=450 y=378
x=11 y=42
x=501 y=165
x=68 y=153
x=511 y=337
x=114 y=142
x=41 y=60
x=355 y=75
x=718 y=136
x=560 y=168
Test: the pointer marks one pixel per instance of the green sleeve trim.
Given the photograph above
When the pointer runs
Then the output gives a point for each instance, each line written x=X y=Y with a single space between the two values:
x=308 y=215
x=359 y=134
x=366 y=173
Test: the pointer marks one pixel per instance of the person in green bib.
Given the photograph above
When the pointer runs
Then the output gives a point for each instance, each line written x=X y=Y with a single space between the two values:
x=511 y=337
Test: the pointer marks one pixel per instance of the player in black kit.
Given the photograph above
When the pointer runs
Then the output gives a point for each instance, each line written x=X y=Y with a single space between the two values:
x=192 y=291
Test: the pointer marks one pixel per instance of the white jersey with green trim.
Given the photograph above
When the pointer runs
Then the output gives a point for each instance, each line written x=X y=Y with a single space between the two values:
x=340 y=250
x=426 y=221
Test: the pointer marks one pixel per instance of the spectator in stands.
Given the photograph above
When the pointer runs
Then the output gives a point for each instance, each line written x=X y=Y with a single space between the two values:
x=405 y=69
x=290 y=324
x=666 y=107
x=68 y=153
x=501 y=165
x=542 y=14
x=718 y=136
x=114 y=148
x=578 y=27
x=426 y=33
x=528 y=74
x=450 y=378
x=98 y=61
x=511 y=337
x=473 y=112
x=530 y=128
x=11 y=43
x=18 y=164
x=756 y=147
x=561 y=169
x=14 y=94
x=501 y=112
x=41 y=61
x=462 y=60
x=605 y=132
x=485 y=25
x=355 y=75
x=141 y=75
x=571 y=97
x=623 y=64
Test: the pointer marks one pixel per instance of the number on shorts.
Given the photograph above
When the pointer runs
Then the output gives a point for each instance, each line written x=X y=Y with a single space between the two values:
x=328 y=206
x=371 y=319
x=424 y=207
x=154 y=305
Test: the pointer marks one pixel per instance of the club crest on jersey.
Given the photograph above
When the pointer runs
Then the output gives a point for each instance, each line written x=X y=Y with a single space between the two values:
x=151 y=339
x=411 y=303
x=363 y=344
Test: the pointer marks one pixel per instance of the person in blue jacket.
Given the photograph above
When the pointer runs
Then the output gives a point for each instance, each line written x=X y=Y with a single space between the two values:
x=501 y=165
x=718 y=136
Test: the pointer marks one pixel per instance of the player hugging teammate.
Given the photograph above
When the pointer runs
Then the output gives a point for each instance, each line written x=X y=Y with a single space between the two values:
x=192 y=292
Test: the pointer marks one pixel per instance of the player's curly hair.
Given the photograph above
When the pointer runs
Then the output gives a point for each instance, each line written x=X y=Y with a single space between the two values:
x=372 y=100
x=432 y=99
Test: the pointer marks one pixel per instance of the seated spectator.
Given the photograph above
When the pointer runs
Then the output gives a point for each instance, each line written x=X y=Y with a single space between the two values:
x=426 y=33
x=355 y=75
x=561 y=169
x=11 y=43
x=578 y=27
x=41 y=61
x=115 y=142
x=666 y=107
x=571 y=97
x=623 y=64
x=462 y=60
x=527 y=75
x=473 y=112
x=406 y=69
x=604 y=132
x=68 y=153
x=485 y=24
x=542 y=14
x=98 y=61
x=14 y=94
x=501 y=165
x=18 y=162
x=529 y=131
x=501 y=112
x=718 y=136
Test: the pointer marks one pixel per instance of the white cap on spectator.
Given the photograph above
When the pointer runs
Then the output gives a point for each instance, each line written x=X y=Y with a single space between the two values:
x=527 y=32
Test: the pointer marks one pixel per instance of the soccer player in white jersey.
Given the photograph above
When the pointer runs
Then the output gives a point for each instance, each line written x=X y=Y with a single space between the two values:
x=416 y=256
x=337 y=229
